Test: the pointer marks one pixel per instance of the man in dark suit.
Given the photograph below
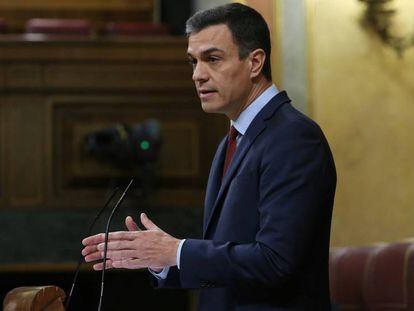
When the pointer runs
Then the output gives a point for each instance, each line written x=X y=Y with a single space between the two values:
x=270 y=191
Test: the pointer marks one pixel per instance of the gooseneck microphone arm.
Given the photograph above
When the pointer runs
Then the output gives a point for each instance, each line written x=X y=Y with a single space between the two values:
x=106 y=242
x=80 y=261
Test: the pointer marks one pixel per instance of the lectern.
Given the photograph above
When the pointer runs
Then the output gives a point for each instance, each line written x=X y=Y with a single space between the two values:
x=35 y=298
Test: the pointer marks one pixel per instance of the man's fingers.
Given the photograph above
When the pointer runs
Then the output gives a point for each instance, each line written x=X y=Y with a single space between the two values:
x=95 y=252
x=89 y=249
x=118 y=255
x=93 y=257
x=100 y=238
x=147 y=223
x=99 y=266
x=131 y=224
x=111 y=254
x=115 y=245
x=130 y=263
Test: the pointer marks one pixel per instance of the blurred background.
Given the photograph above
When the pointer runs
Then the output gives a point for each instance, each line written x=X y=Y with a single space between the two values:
x=95 y=92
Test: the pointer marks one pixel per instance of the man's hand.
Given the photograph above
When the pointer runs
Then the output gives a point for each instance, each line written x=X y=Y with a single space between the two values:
x=134 y=249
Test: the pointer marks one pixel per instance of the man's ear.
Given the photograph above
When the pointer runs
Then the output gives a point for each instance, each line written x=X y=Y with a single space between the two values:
x=257 y=60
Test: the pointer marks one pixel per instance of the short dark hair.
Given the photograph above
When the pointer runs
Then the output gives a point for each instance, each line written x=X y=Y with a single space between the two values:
x=247 y=26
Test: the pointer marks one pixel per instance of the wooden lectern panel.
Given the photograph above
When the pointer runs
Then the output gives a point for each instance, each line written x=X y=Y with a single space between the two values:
x=35 y=298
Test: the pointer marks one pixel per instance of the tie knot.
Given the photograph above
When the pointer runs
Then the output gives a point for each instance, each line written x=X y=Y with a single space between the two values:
x=233 y=133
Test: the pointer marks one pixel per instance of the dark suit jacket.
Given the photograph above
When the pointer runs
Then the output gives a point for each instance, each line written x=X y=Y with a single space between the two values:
x=267 y=223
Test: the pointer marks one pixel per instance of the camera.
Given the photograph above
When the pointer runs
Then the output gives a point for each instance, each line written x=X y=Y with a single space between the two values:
x=126 y=147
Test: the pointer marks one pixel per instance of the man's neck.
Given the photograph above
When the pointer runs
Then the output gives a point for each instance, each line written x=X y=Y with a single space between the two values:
x=258 y=88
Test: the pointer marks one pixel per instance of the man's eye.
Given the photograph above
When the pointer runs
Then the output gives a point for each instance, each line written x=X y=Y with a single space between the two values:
x=213 y=59
x=192 y=62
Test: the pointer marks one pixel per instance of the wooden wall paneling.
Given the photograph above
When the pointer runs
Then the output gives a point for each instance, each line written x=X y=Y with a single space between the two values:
x=2 y=149
x=2 y=138
x=23 y=76
x=99 y=12
x=80 y=86
x=134 y=76
x=2 y=77
x=184 y=159
x=25 y=148
x=76 y=4
x=49 y=156
x=145 y=50
x=180 y=155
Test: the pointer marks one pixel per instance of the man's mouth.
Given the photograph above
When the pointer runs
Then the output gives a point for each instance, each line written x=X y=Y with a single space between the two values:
x=206 y=93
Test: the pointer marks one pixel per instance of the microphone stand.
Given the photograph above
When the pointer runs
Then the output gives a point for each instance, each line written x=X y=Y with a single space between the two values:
x=80 y=260
x=106 y=241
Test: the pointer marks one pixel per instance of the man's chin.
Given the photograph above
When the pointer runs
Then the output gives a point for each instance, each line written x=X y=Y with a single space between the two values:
x=209 y=107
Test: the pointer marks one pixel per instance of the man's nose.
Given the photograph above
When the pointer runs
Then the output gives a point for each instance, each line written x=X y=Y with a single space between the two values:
x=199 y=73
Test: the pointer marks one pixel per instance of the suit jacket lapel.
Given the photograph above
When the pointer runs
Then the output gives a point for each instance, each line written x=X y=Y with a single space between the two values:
x=214 y=181
x=256 y=127
x=241 y=151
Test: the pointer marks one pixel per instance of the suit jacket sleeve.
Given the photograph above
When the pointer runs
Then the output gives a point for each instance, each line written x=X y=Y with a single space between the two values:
x=296 y=181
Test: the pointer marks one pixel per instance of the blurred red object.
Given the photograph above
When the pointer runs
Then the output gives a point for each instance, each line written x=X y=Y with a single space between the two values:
x=58 y=26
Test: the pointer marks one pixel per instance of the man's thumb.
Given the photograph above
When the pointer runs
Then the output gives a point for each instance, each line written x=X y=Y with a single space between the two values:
x=131 y=224
x=147 y=223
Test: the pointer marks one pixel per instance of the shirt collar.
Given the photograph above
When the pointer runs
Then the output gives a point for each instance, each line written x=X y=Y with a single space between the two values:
x=247 y=115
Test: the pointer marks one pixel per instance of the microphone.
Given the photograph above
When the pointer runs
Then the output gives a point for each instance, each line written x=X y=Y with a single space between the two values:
x=106 y=241
x=80 y=260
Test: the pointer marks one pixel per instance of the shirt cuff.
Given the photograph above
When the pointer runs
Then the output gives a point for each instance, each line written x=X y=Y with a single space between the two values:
x=179 y=253
x=162 y=275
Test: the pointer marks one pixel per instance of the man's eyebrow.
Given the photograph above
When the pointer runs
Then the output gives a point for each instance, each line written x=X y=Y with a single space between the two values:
x=208 y=51
x=211 y=50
